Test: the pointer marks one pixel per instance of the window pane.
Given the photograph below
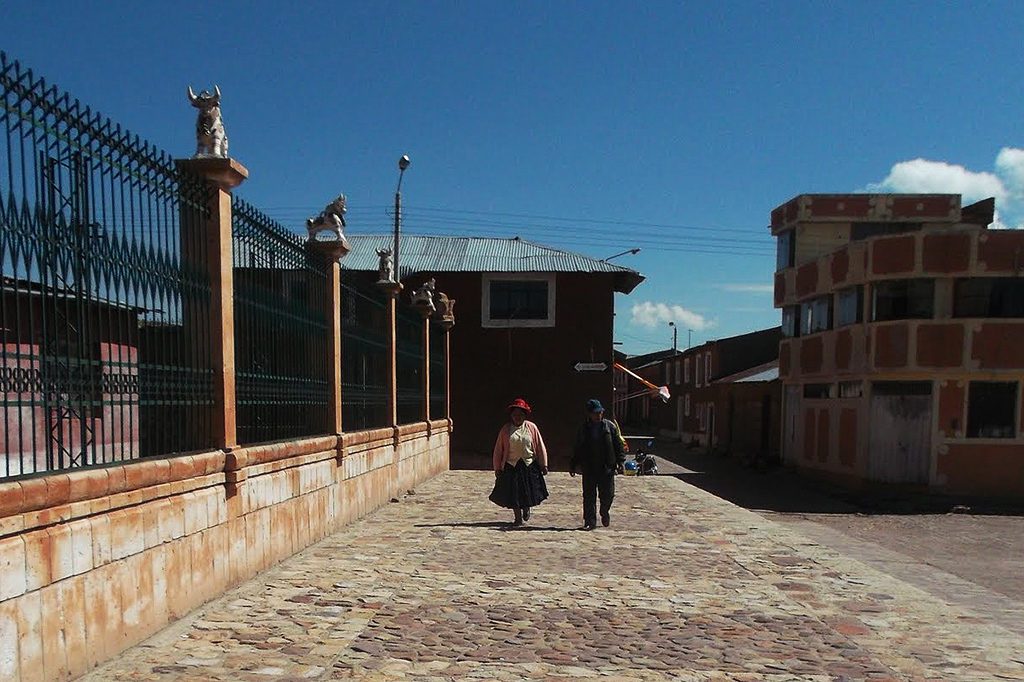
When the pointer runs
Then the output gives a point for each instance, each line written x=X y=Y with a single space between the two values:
x=515 y=300
x=816 y=315
x=817 y=390
x=849 y=306
x=992 y=409
x=989 y=297
x=790 y=317
x=784 y=246
x=904 y=299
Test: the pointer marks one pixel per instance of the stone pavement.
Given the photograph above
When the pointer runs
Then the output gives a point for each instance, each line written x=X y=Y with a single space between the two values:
x=683 y=586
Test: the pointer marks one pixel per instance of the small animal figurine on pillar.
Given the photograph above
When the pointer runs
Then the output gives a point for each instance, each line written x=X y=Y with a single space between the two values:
x=445 y=310
x=331 y=219
x=423 y=298
x=385 y=267
x=211 y=138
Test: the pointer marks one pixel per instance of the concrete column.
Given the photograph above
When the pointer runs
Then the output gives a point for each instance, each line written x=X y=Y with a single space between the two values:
x=222 y=175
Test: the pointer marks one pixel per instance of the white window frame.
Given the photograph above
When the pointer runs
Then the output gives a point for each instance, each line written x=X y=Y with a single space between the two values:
x=686 y=405
x=686 y=370
x=485 y=299
x=707 y=368
x=679 y=371
x=668 y=372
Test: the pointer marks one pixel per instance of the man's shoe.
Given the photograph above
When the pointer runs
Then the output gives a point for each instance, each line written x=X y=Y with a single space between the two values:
x=526 y=514
x=606 y=519
x=517 y=523
x=588 y=526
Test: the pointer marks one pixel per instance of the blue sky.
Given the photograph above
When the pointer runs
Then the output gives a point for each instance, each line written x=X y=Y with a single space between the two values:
x=594 y=126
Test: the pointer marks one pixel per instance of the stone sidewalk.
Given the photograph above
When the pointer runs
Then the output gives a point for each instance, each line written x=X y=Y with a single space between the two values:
x=683 y=586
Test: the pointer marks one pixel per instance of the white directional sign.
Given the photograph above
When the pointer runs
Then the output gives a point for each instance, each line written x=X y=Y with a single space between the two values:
x=591 y=366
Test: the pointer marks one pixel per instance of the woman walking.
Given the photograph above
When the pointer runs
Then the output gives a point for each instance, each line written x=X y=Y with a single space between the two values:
x=520 y=464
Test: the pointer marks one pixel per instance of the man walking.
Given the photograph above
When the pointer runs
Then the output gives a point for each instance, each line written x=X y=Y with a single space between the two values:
x=598 y=455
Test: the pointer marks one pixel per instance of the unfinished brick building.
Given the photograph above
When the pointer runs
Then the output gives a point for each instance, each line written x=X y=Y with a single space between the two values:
x=903 y=349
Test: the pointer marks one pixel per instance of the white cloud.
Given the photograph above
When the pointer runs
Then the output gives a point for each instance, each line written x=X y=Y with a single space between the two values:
x=1006 y=184
x=938 y=177
x=1010 y=165
x=649 y=314
x=748 y=288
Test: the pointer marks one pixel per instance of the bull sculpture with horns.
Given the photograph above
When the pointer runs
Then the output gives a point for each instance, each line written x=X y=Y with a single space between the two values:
x=211 y=139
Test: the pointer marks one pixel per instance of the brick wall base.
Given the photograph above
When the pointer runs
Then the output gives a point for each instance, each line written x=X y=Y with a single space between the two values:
x=93 y=562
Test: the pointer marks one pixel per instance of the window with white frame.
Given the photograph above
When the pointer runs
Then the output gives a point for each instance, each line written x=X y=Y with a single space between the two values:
x=518 y=300
x=696 y=371
x=700 y=416
x=686 y=405
x=679 y=371
x=686 y=370
x=707 y=368
x=668 y=372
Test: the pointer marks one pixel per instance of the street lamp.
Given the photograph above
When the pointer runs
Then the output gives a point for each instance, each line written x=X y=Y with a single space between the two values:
x=403 y=163
x=629 y=251
x=675 y=335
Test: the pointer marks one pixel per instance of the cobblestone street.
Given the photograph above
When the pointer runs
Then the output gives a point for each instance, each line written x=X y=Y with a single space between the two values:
x=682 y=586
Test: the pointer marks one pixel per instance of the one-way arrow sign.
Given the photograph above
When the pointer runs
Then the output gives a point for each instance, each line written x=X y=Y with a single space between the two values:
x=590 y=366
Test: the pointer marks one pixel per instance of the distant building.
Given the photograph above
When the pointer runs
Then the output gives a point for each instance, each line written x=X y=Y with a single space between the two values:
x=531 y=321
x=904 y=351
x=710 y=385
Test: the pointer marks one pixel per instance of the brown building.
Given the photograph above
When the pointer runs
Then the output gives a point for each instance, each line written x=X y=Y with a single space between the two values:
x=531 y=321
x=903 y=357
x=712 y=386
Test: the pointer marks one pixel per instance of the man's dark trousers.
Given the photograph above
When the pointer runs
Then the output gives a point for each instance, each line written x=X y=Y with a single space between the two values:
x=597 y=482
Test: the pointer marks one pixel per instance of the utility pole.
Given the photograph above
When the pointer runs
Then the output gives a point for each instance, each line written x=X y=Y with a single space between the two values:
x=403 y=163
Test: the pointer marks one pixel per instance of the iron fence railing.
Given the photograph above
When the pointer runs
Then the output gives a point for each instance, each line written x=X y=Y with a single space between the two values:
x=409 y=365
x=364 y=355
x=104 y=299
x=281 y=332
x=438 y=372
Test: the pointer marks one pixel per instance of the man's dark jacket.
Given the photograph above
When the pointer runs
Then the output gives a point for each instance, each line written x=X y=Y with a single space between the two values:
x=603 y=453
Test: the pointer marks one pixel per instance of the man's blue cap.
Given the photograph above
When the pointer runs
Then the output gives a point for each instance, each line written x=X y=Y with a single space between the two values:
x=594 y=405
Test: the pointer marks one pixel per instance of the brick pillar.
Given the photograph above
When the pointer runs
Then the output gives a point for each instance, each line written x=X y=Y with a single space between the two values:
x=222 y=175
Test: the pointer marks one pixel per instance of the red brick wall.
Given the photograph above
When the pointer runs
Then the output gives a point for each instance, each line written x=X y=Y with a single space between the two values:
x=940 y=345
x=947 y=253
x=892 y=255
x=993 y=348
x=951 y=409
x=848 y=437
x=807 y=279
x=811 y=354
x=840 y=267
x=983 y=469
x=490 y=367
x=1001 y=250
x=844 y=349
x=891 y=345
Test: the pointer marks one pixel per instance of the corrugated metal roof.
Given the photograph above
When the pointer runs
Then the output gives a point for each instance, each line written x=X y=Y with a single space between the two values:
x=769 y=371
x=479 y=254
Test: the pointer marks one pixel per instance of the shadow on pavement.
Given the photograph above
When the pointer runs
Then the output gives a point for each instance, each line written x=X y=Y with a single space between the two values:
x=778 y=489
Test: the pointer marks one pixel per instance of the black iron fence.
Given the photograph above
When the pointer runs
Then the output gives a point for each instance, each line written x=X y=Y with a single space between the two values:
x=282 y=338
x=364 y=355
x=409 y=362
x=438 y=372
x=104 y=335
x=106 y=346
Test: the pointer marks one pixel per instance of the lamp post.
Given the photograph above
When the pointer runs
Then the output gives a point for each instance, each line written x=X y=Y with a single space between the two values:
x=675 y=335
x=403 y=163
x=689 y=338
x=629 y=251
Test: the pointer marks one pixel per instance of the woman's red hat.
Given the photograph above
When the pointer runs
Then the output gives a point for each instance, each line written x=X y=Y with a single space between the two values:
x=520 y=404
